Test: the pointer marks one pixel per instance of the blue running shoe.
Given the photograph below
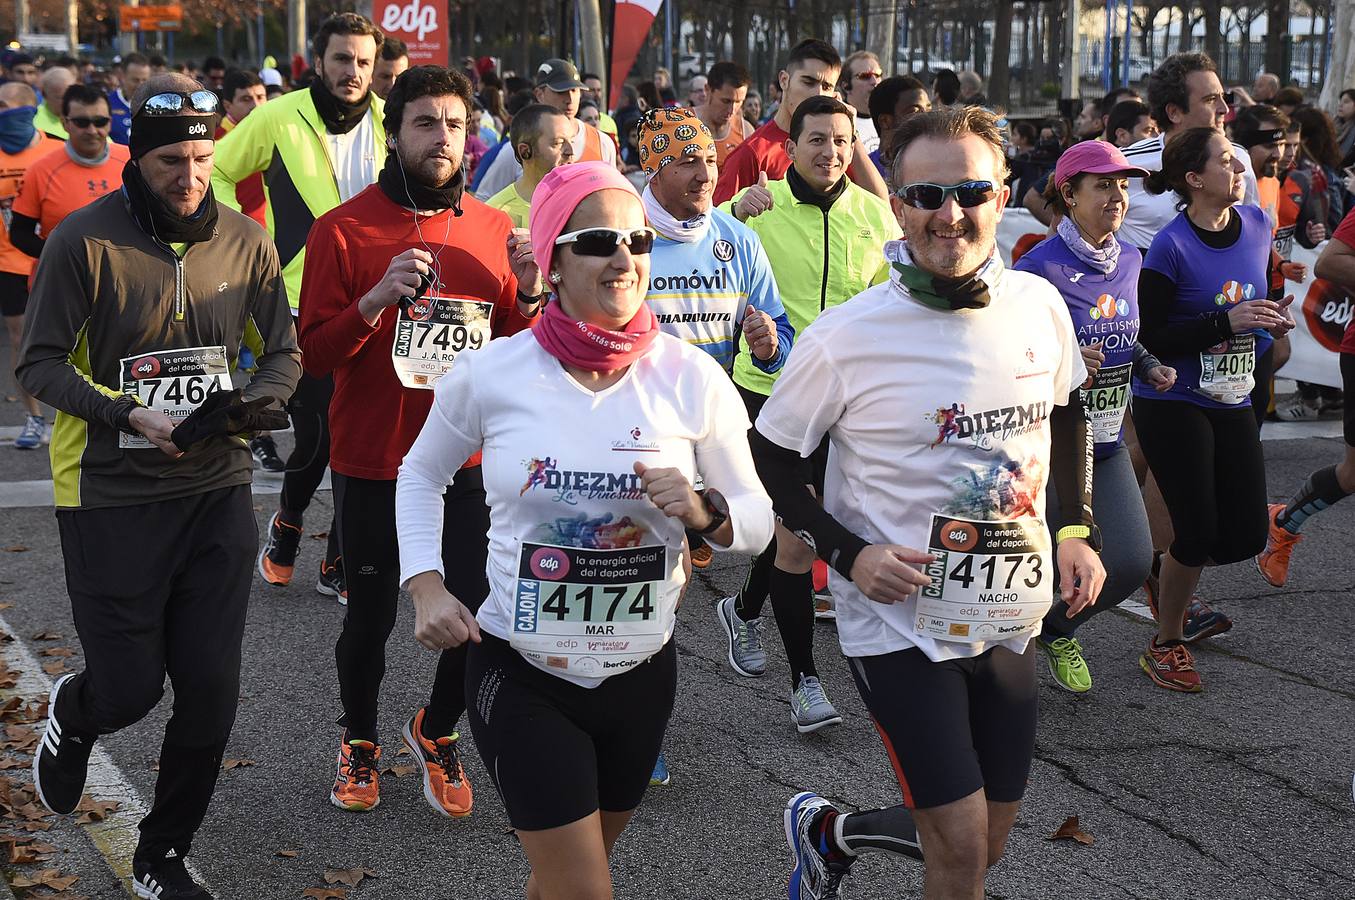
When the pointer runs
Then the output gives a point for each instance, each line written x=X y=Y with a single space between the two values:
x=661 y=775
x=814 y=877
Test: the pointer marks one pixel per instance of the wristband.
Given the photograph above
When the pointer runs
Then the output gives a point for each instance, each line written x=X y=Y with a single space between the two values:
x=1072 y=531
x=536 y=301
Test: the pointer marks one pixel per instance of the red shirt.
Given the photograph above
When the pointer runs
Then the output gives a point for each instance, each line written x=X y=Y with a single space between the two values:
x=1345 y=233
x=762 y=151
x=373 y=418
x=248 y=193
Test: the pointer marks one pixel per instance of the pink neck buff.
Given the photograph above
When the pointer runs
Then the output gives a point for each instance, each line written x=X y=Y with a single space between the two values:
x=592 y=347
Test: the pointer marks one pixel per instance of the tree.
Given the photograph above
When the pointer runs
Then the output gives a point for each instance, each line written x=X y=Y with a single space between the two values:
x=999 y=82
x=1277 y=35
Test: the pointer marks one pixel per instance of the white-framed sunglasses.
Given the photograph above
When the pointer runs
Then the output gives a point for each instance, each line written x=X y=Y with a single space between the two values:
x=604 y=241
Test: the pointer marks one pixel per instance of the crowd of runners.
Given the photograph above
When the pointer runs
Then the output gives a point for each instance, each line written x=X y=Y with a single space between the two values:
x=557 y=356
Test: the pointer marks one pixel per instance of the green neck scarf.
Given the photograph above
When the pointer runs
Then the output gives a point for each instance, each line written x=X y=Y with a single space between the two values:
x=944 y=293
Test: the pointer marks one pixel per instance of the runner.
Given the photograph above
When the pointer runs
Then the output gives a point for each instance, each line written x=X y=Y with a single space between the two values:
x=726 y=89
x=913 y=533
x=861 y=75
x=241 y=94
x=1331 y=484
x=557 y=85
x=136 y=68
x=1098 y=278
x=153 y=502
x=1203 y=295
x=571 y=654
x=823 y=236
x=60 y=183
x=316 y=148
x=21 y=145
x=393 y=62
x=540 y=137
x=367 y=259
x=811 y=70
x=892 y=101
x=53 y=84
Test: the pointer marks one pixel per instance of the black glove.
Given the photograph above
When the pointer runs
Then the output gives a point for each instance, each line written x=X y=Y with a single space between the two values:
x=228 y=412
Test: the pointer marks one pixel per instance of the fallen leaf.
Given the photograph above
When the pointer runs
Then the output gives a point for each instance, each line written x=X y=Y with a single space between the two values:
x=55 y=667
x=6 y=605
x=1070 y=831
x=326 y=893
x=92 y=810
x=58 y=651
x=47 y=636
x=237 y=763
x=399 y=771
x=48 y=878
x=320 y=536
x=288 y=854
x=17 y=548
x=403 y=751
x=6 y=637
x=351 y=877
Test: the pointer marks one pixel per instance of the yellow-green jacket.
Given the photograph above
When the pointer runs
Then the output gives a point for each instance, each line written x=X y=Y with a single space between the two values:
x=819 y=259
x=284 y=139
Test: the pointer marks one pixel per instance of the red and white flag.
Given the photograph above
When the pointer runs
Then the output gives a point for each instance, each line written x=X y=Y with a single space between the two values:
x=630 y=25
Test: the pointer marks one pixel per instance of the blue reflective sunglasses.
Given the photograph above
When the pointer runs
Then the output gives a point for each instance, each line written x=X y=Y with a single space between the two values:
x=925 y=195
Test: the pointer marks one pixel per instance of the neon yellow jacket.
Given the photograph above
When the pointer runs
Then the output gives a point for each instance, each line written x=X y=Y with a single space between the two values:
x=819 y=260
x=284 y=139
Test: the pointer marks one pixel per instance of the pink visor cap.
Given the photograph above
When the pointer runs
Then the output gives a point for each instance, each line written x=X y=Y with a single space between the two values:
x=1094 y=158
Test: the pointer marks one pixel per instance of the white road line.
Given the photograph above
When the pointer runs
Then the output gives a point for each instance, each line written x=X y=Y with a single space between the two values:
x=116 y=836
x=38 y=493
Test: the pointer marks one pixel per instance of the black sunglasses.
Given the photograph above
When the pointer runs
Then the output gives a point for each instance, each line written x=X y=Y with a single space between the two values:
x=604 y=241
x=171 y=103
x=924 y=195
x=87 y=121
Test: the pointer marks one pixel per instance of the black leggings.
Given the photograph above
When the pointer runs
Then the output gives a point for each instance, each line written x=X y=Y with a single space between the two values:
x=371 y=550
x=1265 y=385
x=309 y=411
x=1210 y=468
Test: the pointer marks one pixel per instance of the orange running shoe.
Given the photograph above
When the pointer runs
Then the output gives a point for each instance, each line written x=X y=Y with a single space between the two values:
x=1273 y=563
x=1171 y=666
x=277 y=557
x=356 y=787
x=445 y=785
x=701 y=556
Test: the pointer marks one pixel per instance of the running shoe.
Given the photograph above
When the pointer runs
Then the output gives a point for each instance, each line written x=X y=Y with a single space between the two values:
x=701 y=556
x=33 y=435
x=1066 y=664
x=744 y=639
x=814 y=877
x=1273 y=563
x=825 y=610
x=61 y=761
x=164 y=879
x=332 y=582
x=277 y=557
x=1298 y=410
x=660 y=777
x=266 y=454
x=356 y=784
x=1203 y=621
x=809 y=707
x=1171 y=666
x=445 y=785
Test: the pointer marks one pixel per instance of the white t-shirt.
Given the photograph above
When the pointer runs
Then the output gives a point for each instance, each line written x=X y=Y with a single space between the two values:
x=584 y=571
x=505 y=169
x=865 y=129
x=939 y=424
x=1149 y=213
x=354 y=158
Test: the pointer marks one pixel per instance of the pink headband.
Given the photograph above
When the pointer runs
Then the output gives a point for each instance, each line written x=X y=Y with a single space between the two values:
x=559 y=194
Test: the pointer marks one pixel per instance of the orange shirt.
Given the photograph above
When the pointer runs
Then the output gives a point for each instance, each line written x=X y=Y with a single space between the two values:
x=738 y=130
x=12 y=169
x=56 y=186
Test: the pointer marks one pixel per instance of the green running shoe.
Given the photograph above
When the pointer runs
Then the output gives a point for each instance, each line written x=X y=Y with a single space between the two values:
x=1066 y=664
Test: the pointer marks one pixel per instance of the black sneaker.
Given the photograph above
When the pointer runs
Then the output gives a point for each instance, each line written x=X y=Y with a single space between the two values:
x=266 y=454
x=61 y=761
x=277 y=557
x=332 y=582
x=164 y=879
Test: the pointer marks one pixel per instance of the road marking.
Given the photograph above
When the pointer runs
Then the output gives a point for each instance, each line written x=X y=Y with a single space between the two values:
x=38 y=493
x=116 y=836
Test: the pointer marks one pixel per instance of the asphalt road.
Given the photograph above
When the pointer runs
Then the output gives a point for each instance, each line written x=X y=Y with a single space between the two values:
x=1244 y=791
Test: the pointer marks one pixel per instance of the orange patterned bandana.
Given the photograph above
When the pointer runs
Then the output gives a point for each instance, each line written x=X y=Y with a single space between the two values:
x=665 y=134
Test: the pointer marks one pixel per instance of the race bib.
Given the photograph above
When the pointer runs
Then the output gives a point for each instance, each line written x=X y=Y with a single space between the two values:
x=1226 y=369
x=990 y=580
x=590 y=612
x=175 y=382
x=1106 y=401
x=1284 y=241
x=431 y=331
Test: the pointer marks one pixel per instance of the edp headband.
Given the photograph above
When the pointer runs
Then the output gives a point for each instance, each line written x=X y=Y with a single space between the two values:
x=150 y=132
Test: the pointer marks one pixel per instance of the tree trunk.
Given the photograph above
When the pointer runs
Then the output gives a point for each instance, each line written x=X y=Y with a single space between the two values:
x=1277 y=34
x=999 y=83
x=740 y=30
x=1213 y=27
x=1341 y=72
x=1183 y=39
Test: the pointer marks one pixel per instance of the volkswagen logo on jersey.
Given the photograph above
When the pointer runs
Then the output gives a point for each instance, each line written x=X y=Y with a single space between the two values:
x=723 y=250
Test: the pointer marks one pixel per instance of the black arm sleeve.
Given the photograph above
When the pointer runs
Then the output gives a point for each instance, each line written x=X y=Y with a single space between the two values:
x=1157 y=295
x=780 y=470
x=23 y=233
x=1144 y=362
x=1070 y=461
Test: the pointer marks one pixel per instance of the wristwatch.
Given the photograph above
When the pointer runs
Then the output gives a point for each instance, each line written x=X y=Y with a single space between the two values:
x=1089 y=533
x=538 y=301
x=718 y=507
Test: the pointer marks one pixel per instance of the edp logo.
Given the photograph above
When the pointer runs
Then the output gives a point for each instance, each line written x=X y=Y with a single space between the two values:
x=415 y=17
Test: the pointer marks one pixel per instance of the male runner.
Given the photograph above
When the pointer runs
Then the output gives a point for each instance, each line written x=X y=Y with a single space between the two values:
x=726 y=89
x=135 y=70
x=941 y=565
x=316 y=148
x=53 y=84
x=861 y=74
x=393 y=62
x=153 y=503
x=540 y=138
x=892 y=101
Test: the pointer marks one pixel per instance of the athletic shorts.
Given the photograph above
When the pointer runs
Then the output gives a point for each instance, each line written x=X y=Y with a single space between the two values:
x=558 y=751
x=953 y=727
x=13 y=294
x=811 y=469
x=1348 y=388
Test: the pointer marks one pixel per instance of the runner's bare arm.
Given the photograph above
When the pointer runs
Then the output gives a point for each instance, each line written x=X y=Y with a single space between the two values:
x=1337 y=264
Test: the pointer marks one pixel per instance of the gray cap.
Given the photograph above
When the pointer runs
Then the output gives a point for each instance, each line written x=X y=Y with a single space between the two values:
x=558 y=75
